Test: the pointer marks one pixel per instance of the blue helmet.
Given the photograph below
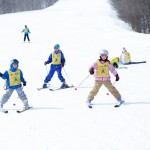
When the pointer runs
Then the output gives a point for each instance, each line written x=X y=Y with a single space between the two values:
x=57 y=46
x=14 y=61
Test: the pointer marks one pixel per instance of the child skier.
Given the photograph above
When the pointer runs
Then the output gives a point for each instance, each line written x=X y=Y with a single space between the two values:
x=57 y=61
x=101 y=70
x=125 y=57
x=14 y=77
x=26 y=33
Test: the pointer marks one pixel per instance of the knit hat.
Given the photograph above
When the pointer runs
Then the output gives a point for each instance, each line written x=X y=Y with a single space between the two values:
x=56 y=46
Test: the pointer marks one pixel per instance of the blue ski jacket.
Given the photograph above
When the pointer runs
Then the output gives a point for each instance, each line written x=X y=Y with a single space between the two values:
x=62 y=58
x=6 y=77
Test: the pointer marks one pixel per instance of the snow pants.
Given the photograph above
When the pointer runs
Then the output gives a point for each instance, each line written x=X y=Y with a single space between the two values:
x=108 y=85
x=9 y=92
x=26 y=36
x=53 y=69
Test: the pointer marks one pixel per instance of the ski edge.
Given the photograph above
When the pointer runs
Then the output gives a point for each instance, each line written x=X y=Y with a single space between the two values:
x=61 y=88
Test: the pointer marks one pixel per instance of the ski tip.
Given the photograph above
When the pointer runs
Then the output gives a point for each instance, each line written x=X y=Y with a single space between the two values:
x=39 y=89
x=90 y=107
x=117 y=106
x=4 y=111
x=20 y=111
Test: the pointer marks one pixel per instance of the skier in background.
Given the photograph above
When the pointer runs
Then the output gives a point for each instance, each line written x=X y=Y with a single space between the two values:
x=14 y=77
x=115 y=62
x=26 y=33
x=101 y=69
x=57 y=61
x=125 y=57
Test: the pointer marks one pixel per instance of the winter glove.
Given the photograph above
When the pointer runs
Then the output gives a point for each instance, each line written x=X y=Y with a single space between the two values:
x=1 y=74
x=91 y=71
x=45 y=63
x=117 y=77
x=115 y=65
x=62 y=65
x=24 y=83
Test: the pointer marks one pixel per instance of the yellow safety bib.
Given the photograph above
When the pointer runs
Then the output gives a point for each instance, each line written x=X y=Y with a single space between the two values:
x=14 y=77
x=128 y=56
x=56 y=59
x=26 y=30
x=102 y=70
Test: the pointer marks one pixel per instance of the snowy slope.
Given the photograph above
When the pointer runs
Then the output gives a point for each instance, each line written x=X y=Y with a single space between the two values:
x=61 y=120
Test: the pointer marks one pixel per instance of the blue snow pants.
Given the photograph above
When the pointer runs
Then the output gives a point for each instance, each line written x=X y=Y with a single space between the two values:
x=54 y=68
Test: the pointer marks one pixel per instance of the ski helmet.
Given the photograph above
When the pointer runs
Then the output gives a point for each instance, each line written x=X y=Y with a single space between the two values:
x=14 y=61
x=57 y=46
x=104 y=52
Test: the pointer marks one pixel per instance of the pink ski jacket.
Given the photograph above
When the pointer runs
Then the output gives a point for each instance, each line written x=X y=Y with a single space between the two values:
x=111 y=69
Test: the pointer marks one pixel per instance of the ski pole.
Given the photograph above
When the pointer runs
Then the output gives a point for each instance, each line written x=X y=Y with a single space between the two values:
x=46 y=69
x=82 y=82
x=67 y=75
x=114 y=82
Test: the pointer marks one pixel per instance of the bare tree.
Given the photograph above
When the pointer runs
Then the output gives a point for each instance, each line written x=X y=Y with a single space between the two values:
x=134 y=12
x=11 y=6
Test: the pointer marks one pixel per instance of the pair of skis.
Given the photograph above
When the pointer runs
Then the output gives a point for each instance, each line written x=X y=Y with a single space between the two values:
x=116 y=106
x=54 y=89
x=18 y=111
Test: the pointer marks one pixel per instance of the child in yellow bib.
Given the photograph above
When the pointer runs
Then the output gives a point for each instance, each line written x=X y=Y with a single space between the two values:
x=26 y=33
x=101 y=69
x=57 y=61
x=13 y=78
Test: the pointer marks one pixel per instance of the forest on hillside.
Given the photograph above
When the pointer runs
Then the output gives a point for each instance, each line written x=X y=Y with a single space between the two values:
x=135 y=12
x=12 y=6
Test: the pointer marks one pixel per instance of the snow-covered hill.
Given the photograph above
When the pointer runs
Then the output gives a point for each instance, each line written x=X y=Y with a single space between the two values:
x=61 y=120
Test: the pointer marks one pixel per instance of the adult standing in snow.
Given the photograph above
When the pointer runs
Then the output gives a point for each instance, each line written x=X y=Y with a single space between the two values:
x=14 y=77
x=57 y=61
x=101 y=69
x=125 y=57
x=26 y=33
